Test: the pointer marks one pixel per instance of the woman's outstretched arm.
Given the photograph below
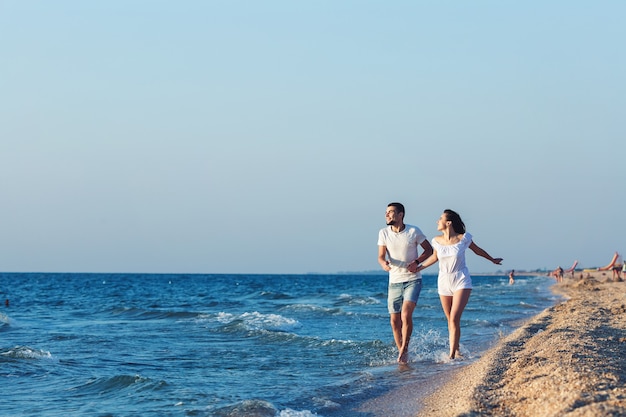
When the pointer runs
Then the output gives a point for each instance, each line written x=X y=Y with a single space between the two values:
x=481 y=252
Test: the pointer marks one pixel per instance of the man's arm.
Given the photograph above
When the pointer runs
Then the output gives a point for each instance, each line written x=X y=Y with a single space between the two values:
x=382 y=258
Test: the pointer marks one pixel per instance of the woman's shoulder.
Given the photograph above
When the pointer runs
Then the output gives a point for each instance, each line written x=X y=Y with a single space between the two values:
x=466 y=240
x=437 y=240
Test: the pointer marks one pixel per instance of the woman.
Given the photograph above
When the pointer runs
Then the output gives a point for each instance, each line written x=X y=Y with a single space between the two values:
x=454 y=283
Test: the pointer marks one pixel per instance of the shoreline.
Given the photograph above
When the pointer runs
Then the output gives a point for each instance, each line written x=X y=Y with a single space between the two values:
x=568 y=360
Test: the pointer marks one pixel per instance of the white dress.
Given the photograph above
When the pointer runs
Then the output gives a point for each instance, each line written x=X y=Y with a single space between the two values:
x=453 y=272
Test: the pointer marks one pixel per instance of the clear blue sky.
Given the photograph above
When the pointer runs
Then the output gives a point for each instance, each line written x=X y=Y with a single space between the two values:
x=269 y=136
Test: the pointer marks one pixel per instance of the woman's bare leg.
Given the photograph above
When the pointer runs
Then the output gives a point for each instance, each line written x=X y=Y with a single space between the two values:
x=453 y=309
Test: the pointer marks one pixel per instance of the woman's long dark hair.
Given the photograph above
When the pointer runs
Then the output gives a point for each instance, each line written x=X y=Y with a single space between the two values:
x=457 y=223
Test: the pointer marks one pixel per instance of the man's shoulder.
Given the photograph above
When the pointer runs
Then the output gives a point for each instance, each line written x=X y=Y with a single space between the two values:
x=416 y=233
x=412 y=226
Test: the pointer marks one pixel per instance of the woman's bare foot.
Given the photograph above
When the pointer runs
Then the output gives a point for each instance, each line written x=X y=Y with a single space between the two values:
x=456 y=354
x=403 y=359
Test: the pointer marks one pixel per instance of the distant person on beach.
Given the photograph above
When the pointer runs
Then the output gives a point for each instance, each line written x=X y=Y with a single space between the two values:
x=617 y=269
x=454 y=282
x=611 y=264
x=512 y=277
x=558 y=274
x=398 y=254
x=572 y=269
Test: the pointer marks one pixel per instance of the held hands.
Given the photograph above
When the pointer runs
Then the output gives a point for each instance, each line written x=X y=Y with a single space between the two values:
x=412 y=267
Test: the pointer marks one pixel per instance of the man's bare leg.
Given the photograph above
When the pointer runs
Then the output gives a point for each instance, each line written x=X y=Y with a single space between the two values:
x=396 y=327
x=407 y=331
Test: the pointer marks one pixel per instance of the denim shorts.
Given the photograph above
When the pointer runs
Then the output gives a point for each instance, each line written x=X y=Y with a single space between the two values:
x=400 y=292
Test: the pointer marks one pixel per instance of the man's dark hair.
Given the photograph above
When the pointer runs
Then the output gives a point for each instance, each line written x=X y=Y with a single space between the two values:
x=398 y=206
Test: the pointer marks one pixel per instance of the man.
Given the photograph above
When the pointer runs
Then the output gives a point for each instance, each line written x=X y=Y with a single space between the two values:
x=398 y=254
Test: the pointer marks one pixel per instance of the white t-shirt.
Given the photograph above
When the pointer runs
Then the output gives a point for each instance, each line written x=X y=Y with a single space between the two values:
x=401 y=251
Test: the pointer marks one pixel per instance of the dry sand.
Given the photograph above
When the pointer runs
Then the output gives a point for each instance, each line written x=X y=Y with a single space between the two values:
x=570 y=360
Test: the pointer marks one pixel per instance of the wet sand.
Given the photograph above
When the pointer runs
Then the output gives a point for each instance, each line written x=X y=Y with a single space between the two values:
x=570 y=360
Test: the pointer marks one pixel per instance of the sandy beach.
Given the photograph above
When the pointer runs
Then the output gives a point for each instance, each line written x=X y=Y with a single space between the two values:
x=570 y=360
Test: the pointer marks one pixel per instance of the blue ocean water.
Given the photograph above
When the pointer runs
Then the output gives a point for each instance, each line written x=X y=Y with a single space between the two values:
x=228 y=345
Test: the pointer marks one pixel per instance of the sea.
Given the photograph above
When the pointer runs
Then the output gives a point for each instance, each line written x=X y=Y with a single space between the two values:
x=83 y=344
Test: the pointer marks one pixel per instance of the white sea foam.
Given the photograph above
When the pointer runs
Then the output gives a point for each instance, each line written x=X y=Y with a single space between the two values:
x=4 y=319
x=260 y=321
x=25 y=352
x=293 y=413
x=349 y=299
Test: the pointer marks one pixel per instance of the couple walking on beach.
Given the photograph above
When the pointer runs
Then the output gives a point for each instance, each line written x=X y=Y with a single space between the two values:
x=398 y=254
